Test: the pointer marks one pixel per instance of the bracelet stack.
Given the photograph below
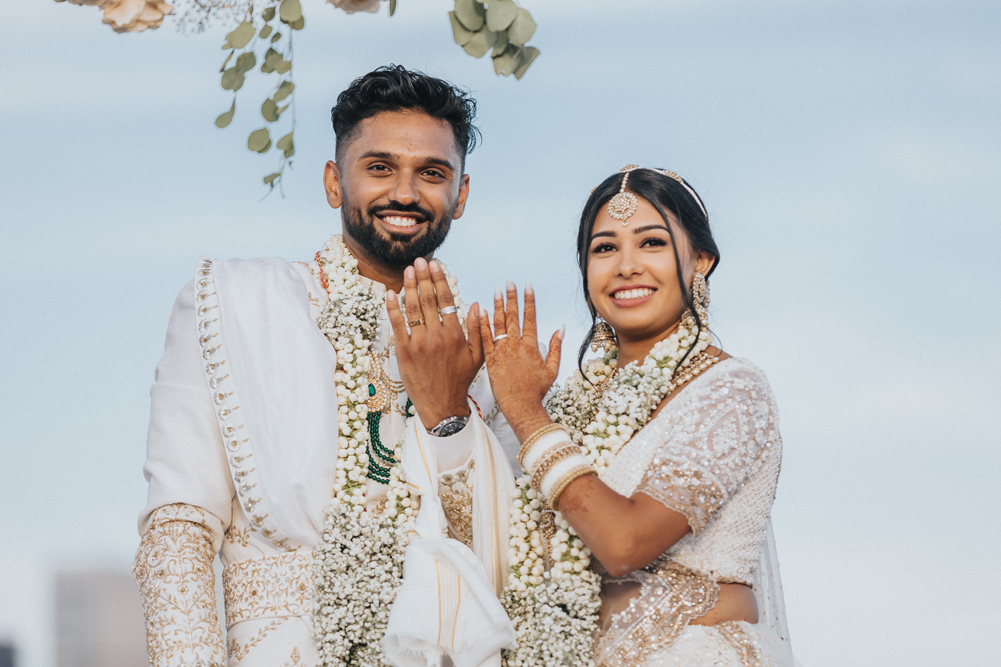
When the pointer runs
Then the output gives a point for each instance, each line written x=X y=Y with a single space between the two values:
x=552 y=461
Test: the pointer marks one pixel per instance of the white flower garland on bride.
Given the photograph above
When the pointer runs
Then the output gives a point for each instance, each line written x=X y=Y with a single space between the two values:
x=555 y=612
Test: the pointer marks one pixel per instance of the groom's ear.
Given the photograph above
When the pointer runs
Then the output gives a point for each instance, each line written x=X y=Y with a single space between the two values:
x=332 y=184
x=460 y=202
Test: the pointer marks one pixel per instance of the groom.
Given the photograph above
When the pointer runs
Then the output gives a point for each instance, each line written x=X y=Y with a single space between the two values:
x=256 y=420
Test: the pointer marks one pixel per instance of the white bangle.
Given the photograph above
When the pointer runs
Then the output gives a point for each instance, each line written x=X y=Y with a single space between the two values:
x=552 y=439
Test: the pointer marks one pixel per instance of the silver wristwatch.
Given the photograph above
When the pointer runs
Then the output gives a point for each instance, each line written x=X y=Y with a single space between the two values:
x=449 y=426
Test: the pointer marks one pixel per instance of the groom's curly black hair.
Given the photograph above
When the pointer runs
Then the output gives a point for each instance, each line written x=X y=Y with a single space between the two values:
x=395 y=88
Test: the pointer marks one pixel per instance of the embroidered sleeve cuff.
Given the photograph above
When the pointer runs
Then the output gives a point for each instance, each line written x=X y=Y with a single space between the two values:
x=177 y=585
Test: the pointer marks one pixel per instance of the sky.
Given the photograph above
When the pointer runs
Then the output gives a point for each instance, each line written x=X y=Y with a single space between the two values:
x=848 y=151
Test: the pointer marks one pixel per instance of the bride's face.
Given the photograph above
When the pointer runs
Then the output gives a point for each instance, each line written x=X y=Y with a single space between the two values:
x=632 y=274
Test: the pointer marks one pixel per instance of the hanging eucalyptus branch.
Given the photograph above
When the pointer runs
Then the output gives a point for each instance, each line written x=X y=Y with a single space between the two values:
x=500 y=27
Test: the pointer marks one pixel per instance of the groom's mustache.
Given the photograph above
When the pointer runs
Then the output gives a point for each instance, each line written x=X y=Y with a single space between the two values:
x=396 y=207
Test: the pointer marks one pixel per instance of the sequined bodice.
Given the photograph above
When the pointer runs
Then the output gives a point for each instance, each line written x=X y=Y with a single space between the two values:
x=712 y=454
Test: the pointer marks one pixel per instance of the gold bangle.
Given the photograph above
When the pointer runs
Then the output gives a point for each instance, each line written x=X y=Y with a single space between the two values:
x=551 y=458
x=532 y=439
x=561 y=485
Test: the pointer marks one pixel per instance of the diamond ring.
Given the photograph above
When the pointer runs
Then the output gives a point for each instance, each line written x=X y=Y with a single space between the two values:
x=448 y=310
x=497 y=338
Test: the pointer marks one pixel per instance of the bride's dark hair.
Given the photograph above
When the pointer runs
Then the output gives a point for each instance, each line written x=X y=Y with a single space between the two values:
x=665 y=194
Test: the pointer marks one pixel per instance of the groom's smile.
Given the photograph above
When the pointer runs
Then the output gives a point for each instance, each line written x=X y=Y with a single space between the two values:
x=399 y=182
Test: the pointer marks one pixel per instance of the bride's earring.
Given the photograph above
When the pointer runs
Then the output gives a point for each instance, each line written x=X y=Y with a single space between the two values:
x=700 y=297
x=604 y=337
x=700 y=301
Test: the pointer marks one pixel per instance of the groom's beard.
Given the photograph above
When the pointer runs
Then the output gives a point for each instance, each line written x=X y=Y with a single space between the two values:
x=398 y=249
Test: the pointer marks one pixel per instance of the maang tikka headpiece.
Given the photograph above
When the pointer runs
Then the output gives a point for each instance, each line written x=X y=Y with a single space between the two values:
x=624 y=203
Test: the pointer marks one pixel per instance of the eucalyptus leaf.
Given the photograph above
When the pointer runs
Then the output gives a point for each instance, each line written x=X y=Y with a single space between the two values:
x=268 y=14
x=500 y=14
x=392 y=7
x=269 y=110
x=226 y=62
x=246 y=61
x=265 y=31
x=276 y=37
x=525 y=59
x=505 y=64
x=298 y=24
x=270 y=178
x=480 y=43
x=271 y=59
x=522 y=28
x=470 y=14
x=284 y=90
x=242 y=35
x=232 y=79
x=286 y=144
x=226 y=118
x=459 y=32
x=290 y=10
x=259 y=141
x=283 y=66
x=501 y=47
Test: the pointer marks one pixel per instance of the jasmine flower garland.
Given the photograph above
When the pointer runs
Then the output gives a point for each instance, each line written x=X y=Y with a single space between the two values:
x=555 y=612
x=358 y=563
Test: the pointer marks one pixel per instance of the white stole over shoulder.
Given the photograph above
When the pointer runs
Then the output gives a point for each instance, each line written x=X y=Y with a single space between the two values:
x=448 y=602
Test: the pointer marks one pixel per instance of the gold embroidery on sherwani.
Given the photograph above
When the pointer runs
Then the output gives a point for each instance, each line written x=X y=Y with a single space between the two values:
x=294 y=659
x=456 y=493
x=238 y=652
x=239 y=536
x=656 y=618
x=177 y=584
x=269 y=587
x=747 y=649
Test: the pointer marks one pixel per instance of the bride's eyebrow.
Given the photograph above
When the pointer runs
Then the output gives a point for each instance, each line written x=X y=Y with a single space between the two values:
x=647 y=228
x=597 y=234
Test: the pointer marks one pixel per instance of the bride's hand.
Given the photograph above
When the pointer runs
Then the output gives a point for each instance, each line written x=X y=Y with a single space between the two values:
x=519 y=375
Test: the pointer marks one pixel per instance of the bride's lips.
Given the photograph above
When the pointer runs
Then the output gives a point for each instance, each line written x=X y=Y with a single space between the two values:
x=633 y=295
x=400 y=223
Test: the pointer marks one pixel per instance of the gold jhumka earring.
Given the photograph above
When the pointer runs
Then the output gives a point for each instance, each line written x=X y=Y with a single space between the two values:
x=700 y=300
x=604 y=337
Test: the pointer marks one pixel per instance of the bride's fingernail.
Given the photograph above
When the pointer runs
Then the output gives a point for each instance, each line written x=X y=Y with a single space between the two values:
x=510 y=285
x=528 y=288
x=563 y=330
x=498 y=294
x=390 y=295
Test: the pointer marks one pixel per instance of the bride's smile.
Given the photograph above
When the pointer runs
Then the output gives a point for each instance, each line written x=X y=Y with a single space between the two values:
x=632 y=275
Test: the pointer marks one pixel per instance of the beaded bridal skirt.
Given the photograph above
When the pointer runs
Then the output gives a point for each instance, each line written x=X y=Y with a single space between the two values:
x=732 y=644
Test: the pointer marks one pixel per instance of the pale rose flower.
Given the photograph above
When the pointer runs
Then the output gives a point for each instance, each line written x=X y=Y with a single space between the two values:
x=352 y=6
x=130 y=15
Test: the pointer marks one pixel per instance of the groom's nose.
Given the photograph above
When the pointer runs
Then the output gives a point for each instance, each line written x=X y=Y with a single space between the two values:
x=404 y=189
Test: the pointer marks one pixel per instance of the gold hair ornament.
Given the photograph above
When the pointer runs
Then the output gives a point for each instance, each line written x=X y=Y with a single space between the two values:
x=624 y=203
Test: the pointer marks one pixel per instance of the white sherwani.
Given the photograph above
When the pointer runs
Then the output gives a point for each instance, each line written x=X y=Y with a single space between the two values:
x=240 y=462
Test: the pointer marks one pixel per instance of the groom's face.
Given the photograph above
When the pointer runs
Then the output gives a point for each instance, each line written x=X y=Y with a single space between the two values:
x=399 y=184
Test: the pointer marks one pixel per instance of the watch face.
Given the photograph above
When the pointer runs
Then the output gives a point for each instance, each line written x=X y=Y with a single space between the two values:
x=451 y=428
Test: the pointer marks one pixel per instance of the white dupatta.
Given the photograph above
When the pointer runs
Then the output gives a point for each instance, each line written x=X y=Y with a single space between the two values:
x=448 y=602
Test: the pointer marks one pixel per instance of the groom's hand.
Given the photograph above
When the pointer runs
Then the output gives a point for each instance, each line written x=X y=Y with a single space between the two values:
x=437 y=363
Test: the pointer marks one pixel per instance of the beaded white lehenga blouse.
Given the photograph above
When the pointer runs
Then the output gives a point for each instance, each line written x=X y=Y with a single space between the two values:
x=713 y=454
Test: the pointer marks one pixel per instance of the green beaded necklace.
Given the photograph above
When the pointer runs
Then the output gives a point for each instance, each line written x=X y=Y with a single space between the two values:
x=378 y=472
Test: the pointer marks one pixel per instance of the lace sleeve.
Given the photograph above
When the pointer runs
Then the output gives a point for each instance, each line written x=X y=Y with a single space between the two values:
x=177 y=584
x=713 y=442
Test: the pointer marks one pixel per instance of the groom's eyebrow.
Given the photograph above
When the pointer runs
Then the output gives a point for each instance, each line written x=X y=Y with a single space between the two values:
x=383 y=155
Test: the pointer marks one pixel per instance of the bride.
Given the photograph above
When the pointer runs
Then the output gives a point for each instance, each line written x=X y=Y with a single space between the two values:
x=662 y=456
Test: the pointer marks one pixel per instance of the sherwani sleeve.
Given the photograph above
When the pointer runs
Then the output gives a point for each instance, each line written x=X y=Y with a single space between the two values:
x=189 y=506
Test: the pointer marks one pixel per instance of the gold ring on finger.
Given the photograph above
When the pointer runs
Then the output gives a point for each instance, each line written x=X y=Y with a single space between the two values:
x=416 y=323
